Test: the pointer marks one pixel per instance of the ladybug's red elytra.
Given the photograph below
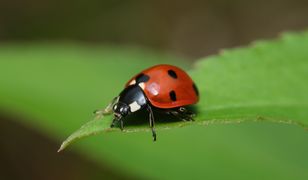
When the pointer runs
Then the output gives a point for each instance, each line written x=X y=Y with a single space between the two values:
x=164 y=87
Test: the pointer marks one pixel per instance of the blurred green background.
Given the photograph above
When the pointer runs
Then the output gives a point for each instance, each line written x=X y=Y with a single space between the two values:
x=45 y=44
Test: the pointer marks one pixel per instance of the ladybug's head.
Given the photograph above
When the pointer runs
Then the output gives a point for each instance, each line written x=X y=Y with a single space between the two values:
x=120 y=110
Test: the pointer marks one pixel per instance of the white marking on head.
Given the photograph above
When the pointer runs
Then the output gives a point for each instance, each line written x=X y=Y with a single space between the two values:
x=142 y=85
x=134 y=106
x=132 y=82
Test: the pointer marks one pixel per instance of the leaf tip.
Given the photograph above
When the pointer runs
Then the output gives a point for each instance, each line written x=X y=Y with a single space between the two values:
x=62 y=147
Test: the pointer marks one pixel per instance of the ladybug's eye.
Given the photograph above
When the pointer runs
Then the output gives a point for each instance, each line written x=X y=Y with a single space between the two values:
x=120 y=109
x=115 y=107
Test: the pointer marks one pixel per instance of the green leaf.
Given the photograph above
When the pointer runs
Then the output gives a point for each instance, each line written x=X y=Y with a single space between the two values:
x=54 y=89
x=90 y=128
x=267 y=81
x=68 y=82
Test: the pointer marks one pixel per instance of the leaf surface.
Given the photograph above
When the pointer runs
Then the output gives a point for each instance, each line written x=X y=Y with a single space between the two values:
x=55 y=88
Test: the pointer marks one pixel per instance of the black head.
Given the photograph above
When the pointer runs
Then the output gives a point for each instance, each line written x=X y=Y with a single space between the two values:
x=120 y=110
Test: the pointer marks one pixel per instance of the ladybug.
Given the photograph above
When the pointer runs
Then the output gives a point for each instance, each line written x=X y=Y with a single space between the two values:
x=165 y=88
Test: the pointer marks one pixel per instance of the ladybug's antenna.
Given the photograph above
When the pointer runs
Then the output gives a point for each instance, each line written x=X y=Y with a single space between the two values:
x=106 y=111
x=98 y=114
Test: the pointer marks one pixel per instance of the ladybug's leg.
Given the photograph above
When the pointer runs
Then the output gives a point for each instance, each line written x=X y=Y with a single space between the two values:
x=108 y=110
x=115 y=120
x=121 y=124
x=152 y=122
x=175 y=114
x=186 y=113
x=183 y=114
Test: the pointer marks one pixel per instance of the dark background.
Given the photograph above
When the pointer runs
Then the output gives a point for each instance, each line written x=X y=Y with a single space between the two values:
x=191 y=29
x=188 y=28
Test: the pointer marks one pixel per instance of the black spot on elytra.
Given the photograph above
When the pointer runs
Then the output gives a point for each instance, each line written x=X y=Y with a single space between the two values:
x=142 y=78
x=172 y=74
x=172 y=95
x=196 y=89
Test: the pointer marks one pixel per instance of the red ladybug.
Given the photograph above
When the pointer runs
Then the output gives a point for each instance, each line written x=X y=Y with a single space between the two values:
x=166 y=88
